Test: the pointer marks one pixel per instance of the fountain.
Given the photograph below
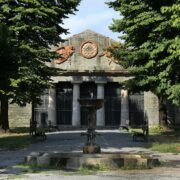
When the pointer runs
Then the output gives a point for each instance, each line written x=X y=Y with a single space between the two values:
x=91 y=105
x=91 y=155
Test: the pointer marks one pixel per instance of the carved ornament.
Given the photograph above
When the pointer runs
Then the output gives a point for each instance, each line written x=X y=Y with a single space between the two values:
x=89 y=49
x=66 y=52
x=108 y=54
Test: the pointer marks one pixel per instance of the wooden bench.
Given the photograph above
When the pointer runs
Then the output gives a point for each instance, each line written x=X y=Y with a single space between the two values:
x=37 y=131
x=124 y=128
x=141 y=136
x=40 y=132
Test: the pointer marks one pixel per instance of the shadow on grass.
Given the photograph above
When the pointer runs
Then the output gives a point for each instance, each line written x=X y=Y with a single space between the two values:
x=13 y=142
x=165 y=141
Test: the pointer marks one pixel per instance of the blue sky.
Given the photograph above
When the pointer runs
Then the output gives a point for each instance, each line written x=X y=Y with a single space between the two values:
x=94 y=15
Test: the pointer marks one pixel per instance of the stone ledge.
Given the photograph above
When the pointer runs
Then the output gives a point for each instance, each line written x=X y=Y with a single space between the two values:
x=77 y=160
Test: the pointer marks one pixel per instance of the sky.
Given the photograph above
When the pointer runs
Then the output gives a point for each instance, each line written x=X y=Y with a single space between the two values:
x=94 y=15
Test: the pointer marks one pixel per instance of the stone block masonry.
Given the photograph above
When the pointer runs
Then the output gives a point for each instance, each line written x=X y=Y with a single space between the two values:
x=151 y=108
x=19 y=116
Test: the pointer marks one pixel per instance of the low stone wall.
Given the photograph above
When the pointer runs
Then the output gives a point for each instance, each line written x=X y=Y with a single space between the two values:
x=19 y=116
x=151 y=108
x=77 y=160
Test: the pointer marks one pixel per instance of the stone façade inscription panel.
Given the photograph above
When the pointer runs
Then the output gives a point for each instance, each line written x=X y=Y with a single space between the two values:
x=151 y=108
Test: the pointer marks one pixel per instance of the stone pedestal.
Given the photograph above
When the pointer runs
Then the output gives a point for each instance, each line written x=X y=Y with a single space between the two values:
x=91 y=149
x=91 y=105
x=124 y=108
x=100 y=112
x=151 y=108
x=76 y=107
x=52 y=106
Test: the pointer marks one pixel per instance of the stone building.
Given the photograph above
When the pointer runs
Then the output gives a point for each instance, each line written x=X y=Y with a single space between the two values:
x=89 y=71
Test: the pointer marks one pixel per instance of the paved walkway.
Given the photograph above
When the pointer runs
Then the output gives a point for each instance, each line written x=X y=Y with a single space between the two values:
x=72 y=141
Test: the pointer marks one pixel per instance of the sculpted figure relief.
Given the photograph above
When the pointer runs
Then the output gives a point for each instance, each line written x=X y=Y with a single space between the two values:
x=66 y=52
x=108 y=54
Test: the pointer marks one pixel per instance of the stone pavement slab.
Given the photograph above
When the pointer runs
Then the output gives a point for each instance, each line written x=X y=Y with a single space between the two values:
x=72 y=141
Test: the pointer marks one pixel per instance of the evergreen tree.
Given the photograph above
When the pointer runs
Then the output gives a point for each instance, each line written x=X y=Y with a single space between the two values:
x=9 y=71
x=151 y=46
x=32 y=26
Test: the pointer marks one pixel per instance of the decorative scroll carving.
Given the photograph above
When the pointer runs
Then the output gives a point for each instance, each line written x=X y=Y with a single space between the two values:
x=66 y=52
x=108 y=54
x=89 y=49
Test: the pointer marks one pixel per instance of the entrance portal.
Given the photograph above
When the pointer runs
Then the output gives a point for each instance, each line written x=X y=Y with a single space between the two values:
x=87 y=90
x=112 y=104
x=64 y=96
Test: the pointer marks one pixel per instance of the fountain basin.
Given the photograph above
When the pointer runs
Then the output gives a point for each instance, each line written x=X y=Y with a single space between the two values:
x=91 y=103
x=77 y=160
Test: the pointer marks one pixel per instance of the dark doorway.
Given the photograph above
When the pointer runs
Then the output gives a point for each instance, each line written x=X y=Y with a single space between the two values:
x=40 y=111
x=64 y=95
x=112 y=104
x=87 y=89
x=136 y=110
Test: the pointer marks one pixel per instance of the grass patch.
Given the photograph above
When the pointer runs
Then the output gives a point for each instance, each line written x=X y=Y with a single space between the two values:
x=84 y=170
x=164 y=141
x=15 y=141
x=166 y=147
x=29 y=169
x=156 y=130
x=139 y=167
x=138 y=130
x=19 y=130
x=16 y=176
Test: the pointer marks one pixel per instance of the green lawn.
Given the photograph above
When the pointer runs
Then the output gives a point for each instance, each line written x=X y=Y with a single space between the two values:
x=164 y=141
x=12 y=141
x=166 y=147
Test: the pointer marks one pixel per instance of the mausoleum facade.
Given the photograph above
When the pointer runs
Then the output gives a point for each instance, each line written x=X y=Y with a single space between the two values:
x=89 y=71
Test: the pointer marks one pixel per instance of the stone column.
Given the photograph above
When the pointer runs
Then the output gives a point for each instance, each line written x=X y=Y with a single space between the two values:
x=124 y=108
x=52 y=106
x=76 y=106
x=100 y=115
x=151 y=108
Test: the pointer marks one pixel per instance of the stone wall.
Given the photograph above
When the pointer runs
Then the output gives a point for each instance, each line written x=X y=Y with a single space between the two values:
x=79 y=63
x=173 y=114
x=19 y=116
x=177 y=116
x=151 y=108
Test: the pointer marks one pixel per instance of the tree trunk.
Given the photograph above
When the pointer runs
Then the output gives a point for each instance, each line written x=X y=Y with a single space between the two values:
x=163 y=113
x=4 y=122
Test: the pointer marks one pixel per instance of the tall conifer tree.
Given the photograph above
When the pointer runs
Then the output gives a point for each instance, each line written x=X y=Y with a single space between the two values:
x=151 y=46
x=32 y=27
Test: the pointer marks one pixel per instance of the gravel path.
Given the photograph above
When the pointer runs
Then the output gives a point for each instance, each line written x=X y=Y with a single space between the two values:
x=72 y=141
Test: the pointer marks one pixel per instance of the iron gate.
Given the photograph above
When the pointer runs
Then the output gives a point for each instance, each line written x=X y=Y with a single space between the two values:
x=112 y=111
x=112 y=104
x=64 y=96
x=136 y=109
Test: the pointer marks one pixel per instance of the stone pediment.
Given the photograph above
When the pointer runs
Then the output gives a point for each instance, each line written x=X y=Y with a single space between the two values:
x=85 y=52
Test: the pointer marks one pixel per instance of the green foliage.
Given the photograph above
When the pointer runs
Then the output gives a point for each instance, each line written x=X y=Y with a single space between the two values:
x=32 y=27
x=8 y=61
x=152 y=45
x=27 y=30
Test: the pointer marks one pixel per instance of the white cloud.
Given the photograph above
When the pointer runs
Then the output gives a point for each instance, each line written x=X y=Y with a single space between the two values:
x=92 y=15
